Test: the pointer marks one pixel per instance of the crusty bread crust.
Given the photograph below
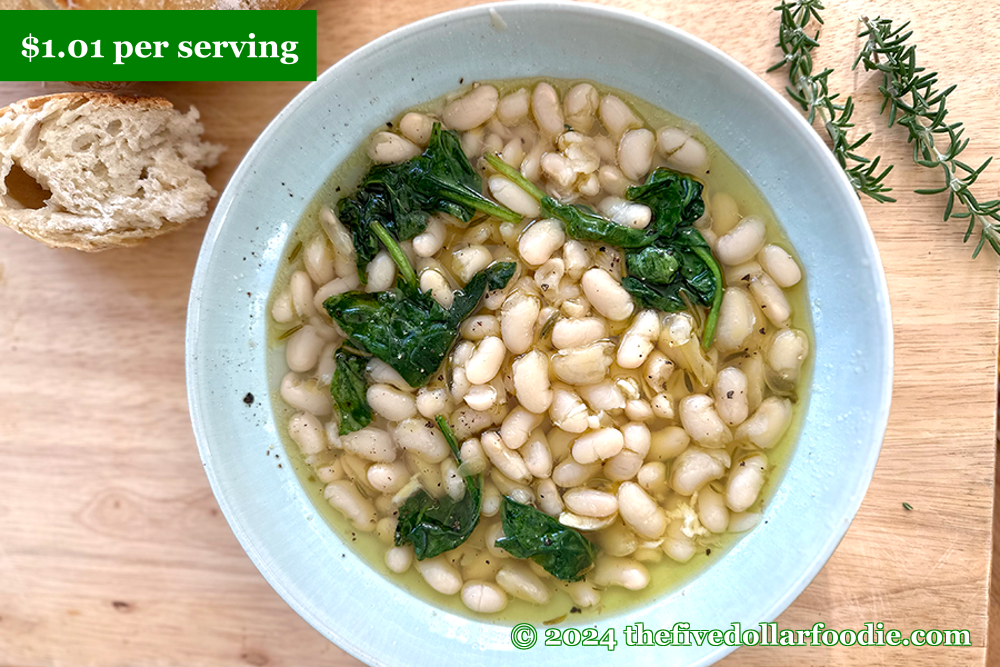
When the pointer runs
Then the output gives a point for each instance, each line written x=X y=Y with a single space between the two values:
x=104 y=170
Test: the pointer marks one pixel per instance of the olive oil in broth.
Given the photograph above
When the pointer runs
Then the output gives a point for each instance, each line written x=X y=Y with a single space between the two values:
x=665 y=575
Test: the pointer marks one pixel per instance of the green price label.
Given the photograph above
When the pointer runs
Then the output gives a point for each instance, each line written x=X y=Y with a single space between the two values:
x=158 y=45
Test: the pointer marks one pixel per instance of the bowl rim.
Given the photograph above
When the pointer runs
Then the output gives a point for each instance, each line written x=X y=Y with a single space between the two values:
x=880 y=414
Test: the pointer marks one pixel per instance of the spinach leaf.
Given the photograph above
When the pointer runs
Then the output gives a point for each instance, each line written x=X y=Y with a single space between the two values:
x=408 y=329
x=675 y=199
x=529 y=533
x=349 y=391
x=653 y=263
x=401 y=197
x=436 y=525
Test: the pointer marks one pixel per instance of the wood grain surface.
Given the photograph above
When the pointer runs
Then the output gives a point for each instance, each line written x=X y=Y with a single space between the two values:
x=113 y=551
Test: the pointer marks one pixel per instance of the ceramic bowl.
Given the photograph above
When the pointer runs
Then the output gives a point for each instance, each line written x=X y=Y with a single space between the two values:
x=276 y=521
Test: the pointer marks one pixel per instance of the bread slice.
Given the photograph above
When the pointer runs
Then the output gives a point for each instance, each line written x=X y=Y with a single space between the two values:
x=94 y=171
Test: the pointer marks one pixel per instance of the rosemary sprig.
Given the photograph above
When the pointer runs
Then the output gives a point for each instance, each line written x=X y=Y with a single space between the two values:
x=911 y=94
x=812 y=92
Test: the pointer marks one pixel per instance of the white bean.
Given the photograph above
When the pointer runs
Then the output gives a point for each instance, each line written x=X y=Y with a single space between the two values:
x=640 y=512
x=616 y=116
x=598 y=445
x=731 y=396
x=639 y=339
x=676 y=544
x=416 y=127
x=745 y=482
x=483 y=597
x=370 y=443
x=305 y=394
x=741 y=522
x=568 y=411
x=303 y=348
x=388 y=477
x=301 y=287
x=725 y=213
x=429 y=242
x=486 y=360
x=590 y=502
x=785 y=355
x=622 y=466
x=638 y=410
x=584 y=365
x=398 y=559
x=662 y=406
x=540 y=240
x=635 y=153
x=434 y=280
x=517 y=426
x=742 y=242
x=332 y=288
x=694 y=468
x=607 y=295
x=546 y=109
x=307 y=432
x=569 y=473
x=380 y=372
x=702 y=422
x=583 y=594
x=518 y=580
x=422 y=437
x=548 y=498
x=390 y=148
x=505 y=459
x=652 y=476
x=454 y=483
x=344 y=255
x=765 y=428
x=580 y=106
x=345 y=497
x=513 y=197
x=613 y=180
x=513 y=108
x=391 y=403
x=467 y=422
x=637 y=438
x=712 y=510
x=472 y=109
x=440 y=575
x=683 y=152
x=491 y=499
x=615 y=571
x=668 y=442
x=627 y=213
x=577 y=332
x=605 y=395
x=531 y=381
x=537 y=457
x=517 y=321
x=432 y=402
x=771 y=300
x=319 y=260
x=481 y=396
x=478 y=327
x=471 y=260
x=736 y=319
x=781 y=266
x=473 y=457
x=282 y=310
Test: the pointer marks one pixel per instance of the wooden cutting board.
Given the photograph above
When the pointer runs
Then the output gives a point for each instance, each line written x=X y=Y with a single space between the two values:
x=113 y=551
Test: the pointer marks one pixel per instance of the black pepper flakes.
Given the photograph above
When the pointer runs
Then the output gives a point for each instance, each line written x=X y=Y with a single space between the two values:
x=248 y=399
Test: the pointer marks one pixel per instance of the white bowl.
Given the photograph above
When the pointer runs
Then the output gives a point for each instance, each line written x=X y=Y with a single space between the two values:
x=275 y=519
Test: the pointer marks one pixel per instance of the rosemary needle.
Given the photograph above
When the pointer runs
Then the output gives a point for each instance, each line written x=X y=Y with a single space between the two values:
x=914 y=101
x=812 y=92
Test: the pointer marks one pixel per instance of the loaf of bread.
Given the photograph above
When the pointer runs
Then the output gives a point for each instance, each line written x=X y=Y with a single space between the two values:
x=94 y=171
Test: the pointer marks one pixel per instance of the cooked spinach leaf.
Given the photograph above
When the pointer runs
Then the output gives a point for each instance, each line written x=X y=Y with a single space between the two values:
x=436 y=525
x=408 y=329
x=529 y=533
x=675 y=200
x=401 y=197
x=653 y=263
x=349 y=391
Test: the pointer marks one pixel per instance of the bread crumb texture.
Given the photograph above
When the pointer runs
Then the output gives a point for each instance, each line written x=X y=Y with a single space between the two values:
x=93 y=171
